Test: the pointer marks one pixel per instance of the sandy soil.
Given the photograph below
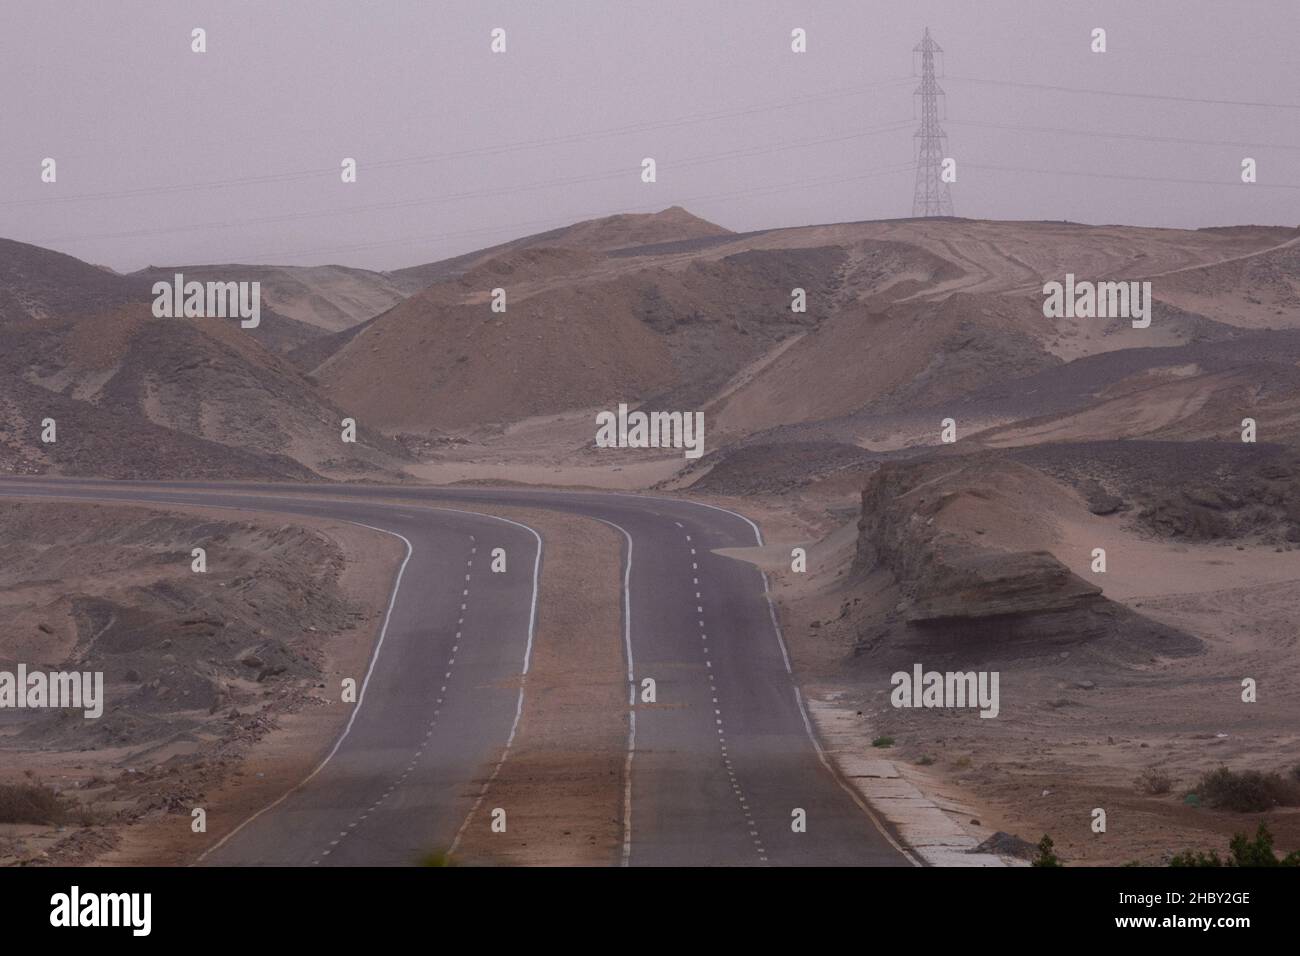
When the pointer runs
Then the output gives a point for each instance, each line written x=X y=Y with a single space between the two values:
x=232 y=759
x=547 y=450
x=620 y=478
x=298 y=741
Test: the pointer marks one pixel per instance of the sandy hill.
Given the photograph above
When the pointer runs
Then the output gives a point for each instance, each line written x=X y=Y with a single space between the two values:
x=136 y=396
x=969 y=338
x=210 y=379
x=571 y=339
x=907 y=322
x=1254 y=291
x=1184 y=403
x=995 y=256
x=901 y=315
x=101 y=441
x=900 y=354
x=38 y=283
x=609 y=233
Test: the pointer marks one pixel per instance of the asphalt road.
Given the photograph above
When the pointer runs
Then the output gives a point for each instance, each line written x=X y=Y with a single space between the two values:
x=719 y=765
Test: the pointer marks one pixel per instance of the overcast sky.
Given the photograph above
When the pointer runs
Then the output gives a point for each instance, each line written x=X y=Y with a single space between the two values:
x=459 y=148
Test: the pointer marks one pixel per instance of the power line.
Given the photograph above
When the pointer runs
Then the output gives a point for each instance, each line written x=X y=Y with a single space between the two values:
x=687 y=163
x=426 y=159
x=513 y=229
x=1141 y=179
x=1099 y=134
x=1127 y=94
x=634 y=128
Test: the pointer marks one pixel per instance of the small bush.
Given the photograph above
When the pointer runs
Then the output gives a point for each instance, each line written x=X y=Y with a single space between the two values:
x=89 y=816
x=30 y=803
x=924 y=760
x=1046 y=854
x=883 y=742
x=1153 y=782
x=1246 y=791
x=1197 y=858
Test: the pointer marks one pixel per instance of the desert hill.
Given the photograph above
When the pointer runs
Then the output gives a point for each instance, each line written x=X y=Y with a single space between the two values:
x=570 y=340
x=95 y=440
x=609 y=233
x=901 y=315
x=1254 y=291
x=137 y=396
x=906 y=322
x=172 y=398
x=38 y=283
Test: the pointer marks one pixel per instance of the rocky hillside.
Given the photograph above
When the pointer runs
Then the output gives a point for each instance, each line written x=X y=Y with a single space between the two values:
x=964 y=540
x=140 y=397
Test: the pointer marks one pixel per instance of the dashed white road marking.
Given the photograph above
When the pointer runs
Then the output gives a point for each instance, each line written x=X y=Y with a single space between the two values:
x=721 y=732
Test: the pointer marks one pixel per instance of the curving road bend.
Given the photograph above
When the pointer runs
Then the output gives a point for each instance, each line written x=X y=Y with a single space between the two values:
x=719 y=763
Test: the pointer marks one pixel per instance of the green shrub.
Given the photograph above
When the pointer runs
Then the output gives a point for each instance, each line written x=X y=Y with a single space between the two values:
x=436 y=858
x=30 y=803
x=1246 y=791
x=1245 y=852
x=1153 y=782
x=1046 y=854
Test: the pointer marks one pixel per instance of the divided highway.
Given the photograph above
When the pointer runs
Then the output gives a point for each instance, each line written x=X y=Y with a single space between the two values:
x=719 y=765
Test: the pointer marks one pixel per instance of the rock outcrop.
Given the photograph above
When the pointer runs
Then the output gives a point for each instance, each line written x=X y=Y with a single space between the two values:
x=954 y=588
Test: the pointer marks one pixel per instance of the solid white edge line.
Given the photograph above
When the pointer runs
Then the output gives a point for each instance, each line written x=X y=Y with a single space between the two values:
x=631 y=697
x=361 y=697
x=684 y=501
x=374 y=654
x=817 y=744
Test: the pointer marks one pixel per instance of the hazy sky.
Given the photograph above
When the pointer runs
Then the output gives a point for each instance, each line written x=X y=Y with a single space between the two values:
x=459 y=148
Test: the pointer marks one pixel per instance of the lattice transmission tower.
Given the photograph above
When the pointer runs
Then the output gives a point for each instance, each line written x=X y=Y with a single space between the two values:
x=931 y=196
